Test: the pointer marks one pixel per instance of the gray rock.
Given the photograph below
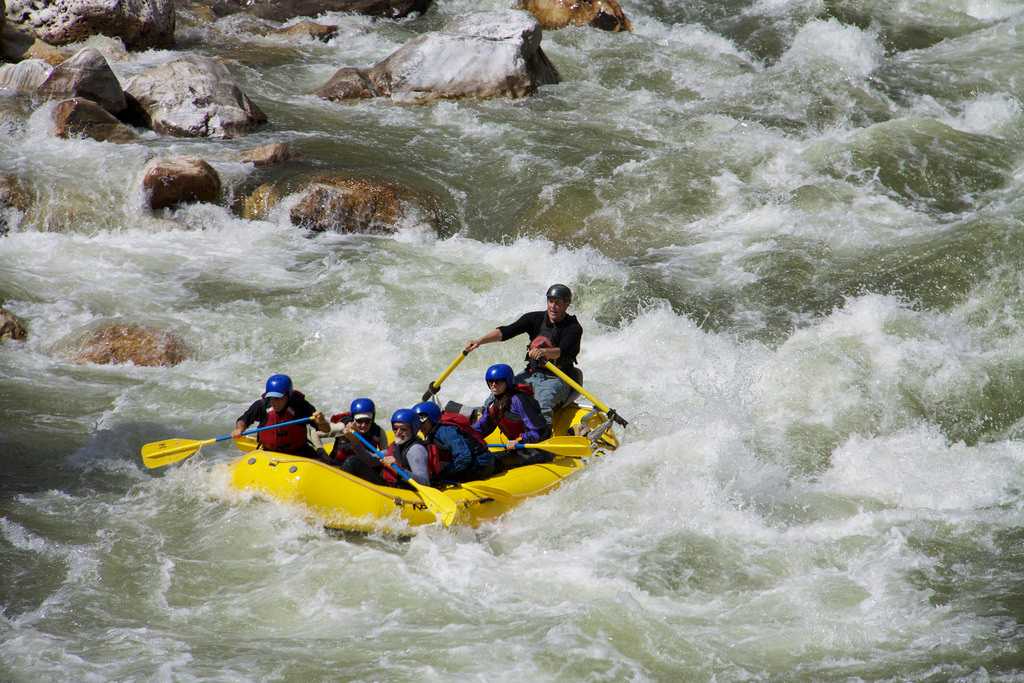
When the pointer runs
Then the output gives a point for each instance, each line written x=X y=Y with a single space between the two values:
x=141 y=24
x=282 y=10
x=86 y=75
x=194 y=97
x=11 y=327
x=23 y=78
x=485 y=54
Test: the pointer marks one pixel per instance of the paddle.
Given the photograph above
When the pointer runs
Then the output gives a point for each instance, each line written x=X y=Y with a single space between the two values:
x=603 y=407
x=435 y=386
x=436 y=502
x=168 y=451
x=569 y=446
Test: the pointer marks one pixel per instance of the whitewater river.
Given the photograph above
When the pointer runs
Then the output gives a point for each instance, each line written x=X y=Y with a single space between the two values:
x=794 y=228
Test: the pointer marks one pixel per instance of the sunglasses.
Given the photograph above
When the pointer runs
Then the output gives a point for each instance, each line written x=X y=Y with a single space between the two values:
x=363 y=421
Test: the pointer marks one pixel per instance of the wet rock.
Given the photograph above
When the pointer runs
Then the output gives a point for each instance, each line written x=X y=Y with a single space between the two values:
x=348 y=205
x=308 y=29
x=23 y=78
x=11 y=327
x=17 y=44
x=123 y=343
x=282 y=10
x=256 y=205
x=86 y=75
x=194 y=97
x=179 y=180
x=485 y=54
x=606 y=15
x=14 y=199
x=141 y=24
x=266 y=155
x=78 y=116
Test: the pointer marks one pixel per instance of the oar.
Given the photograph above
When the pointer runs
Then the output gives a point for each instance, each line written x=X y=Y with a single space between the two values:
x=160 y=453
x=435 y=386
x=603 y=407
x=436 y=502
x=569 y=446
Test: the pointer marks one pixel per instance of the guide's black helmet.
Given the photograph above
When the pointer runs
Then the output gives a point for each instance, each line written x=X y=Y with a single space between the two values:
x=560 y=292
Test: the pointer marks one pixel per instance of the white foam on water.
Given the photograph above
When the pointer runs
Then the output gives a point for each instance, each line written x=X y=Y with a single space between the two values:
x=854 y=51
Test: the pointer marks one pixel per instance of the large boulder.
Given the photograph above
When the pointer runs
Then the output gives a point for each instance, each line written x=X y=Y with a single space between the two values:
x=10 y=326
x=485 y=54
x=281 y=10
x=123 y=343
x=141 y=24
x=194 y=97
x=78 y=116
x=86 y=75
x=308 y=29
x=603 y=14
x=23 y=78
x=179 y=180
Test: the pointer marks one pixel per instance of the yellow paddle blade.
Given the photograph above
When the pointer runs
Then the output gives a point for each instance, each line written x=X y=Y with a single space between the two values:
x=484 y=491
x=160 y=453
x=437 y=502
x=569 y=446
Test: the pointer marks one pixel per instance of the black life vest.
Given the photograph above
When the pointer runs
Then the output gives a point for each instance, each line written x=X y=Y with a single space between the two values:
x=398 y=452
x=549 y=335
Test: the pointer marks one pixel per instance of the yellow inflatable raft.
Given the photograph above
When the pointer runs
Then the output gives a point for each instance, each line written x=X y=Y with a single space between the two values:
x=343 y=501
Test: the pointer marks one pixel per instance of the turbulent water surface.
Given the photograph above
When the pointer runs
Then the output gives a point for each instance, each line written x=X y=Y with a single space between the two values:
x=794 y=228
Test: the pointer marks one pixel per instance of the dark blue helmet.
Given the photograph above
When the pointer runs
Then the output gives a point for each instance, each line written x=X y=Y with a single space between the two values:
x=500 y=372
x=428 y=409
x=362 y=406
x=278 y=386
x=406 y=416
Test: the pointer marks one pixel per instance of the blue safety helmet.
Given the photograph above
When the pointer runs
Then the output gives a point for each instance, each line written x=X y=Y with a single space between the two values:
x=500 y=372
x=278 y=386
x=406 y=416
x=360 y=406
x=428 y=409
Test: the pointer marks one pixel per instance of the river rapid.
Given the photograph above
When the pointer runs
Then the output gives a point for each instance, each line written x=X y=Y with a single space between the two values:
x=794 y=230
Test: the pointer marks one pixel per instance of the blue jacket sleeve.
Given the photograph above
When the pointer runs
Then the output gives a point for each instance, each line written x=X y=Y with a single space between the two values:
x=449 y=439
x=536 y=428
x=483 y=424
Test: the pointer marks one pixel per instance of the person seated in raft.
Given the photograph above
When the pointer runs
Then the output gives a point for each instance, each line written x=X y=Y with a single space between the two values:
x=349 y=453
x=280 y=402
x=407 y=450
x=458 y=449
x=554 y=336
x=512 y=409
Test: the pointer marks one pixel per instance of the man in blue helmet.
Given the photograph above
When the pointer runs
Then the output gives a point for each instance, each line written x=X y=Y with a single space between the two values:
x=554 y=336
x=280 y=402
x=459 y=451
x=349 y=453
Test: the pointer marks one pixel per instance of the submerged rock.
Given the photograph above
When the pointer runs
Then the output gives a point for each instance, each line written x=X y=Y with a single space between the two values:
x=179 y=180
x=308 y=29
x=78 y=116
x=281 y=10
x=267 y=155
x=141 y=24
x=23 y=78
x=86 y=75
x=606 y=15
x=338 y=203
x=194 y=97
x=11 y=327
x=124 y=343
x=486 y=54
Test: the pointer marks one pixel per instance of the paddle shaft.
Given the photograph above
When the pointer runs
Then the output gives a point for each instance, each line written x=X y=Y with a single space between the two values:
x=379 y=455
x=600 y=405
x=435 y=386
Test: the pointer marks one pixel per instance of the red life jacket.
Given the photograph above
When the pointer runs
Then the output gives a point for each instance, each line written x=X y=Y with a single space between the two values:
x=509 y=424
x=397 y=452
x=343 y=448
x=290 y=439
x=465 y=427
